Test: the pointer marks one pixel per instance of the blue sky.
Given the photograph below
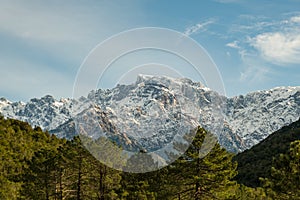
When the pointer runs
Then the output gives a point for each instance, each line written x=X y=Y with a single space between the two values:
x=255 y=44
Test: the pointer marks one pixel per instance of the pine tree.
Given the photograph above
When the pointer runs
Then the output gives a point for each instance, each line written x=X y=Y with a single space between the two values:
x=87 y=177
x=194 y=177
x=285 y=175
x=135 y=186
x=18 y=144
x=104 y=182
x=39 y=180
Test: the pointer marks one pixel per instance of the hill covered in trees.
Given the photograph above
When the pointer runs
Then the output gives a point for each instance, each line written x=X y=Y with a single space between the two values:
x=257 y=161
x=37 y=165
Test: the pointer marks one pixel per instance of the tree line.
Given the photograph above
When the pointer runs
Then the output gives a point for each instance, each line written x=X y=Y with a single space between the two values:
x=37 y=165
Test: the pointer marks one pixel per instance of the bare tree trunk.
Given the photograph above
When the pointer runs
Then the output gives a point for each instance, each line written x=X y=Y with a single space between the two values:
x=102 y=173
x=60 y=184
x=197 y=189
x=47 y=183
x=79 y=180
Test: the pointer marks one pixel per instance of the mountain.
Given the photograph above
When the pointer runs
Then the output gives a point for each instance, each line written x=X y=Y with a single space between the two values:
x=257 y=161
x=151 y=112
x=256 y=115
x=46 y=112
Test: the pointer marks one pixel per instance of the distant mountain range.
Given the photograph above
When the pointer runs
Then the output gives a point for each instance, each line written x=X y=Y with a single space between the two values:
x=159 y=106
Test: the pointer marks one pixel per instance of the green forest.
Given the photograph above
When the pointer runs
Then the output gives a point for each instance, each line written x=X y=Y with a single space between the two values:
x=36 y=165
x=257 y=162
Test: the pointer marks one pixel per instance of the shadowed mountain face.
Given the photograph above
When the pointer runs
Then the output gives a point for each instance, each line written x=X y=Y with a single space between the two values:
x=149 y=113
x=257 y=161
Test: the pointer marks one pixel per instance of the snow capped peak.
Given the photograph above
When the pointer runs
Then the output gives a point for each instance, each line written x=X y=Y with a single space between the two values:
x=143 y=78
x=45 y=112
x=167 y=81
x=4 y=103
x=48 y=98
x=4 y=100
x=58 y=103
x=277 y=90
x=246 y=119
x=64 y=100
x=198 y=85
x=286 y=88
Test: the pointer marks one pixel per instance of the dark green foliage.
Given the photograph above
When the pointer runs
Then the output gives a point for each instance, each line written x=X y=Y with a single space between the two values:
x=140 y=162
x=257 y=161
x=285 y=175
x=36 y=165
x=208 y=177
x=248 y=193
x=136 y=186
x=40 y=177
x=18 y=144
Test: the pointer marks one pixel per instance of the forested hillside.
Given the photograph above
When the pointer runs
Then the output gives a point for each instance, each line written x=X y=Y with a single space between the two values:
x=257 y=161
x=37 y=165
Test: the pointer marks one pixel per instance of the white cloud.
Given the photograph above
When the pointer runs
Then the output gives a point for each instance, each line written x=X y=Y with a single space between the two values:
x=295 y=19
x=233 y=45
x=198 y=27
x=276 y=42
x=278 y=47
x=227 y=1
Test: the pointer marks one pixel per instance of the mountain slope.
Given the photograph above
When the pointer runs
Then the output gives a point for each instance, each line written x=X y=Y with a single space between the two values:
x=257 y=161
x=256 y=115
x=132 y=112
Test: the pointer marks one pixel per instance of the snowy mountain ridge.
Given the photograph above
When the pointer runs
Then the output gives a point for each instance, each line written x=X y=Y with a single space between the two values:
x=130 y=113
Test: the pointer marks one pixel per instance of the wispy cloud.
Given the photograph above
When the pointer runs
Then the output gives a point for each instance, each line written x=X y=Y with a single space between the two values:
x=266 y=43
x=54 y=37
x=198 y=27
x=233 y=45
x=227 y=1
x=255 y=70
x=254 y=75
x=249 y=24
x=58 y=21
x=295 y=19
